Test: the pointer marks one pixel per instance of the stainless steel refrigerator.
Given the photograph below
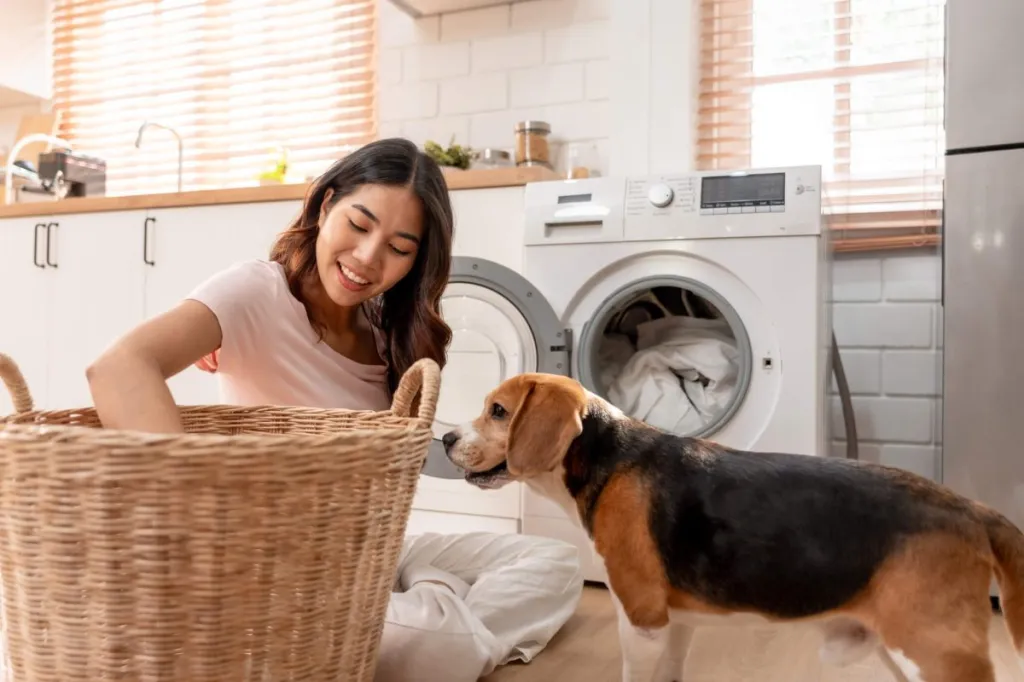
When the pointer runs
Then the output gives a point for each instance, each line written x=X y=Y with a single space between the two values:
x=983 y=254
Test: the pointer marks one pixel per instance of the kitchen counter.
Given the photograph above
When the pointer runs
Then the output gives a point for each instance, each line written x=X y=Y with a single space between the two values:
x=457 y=180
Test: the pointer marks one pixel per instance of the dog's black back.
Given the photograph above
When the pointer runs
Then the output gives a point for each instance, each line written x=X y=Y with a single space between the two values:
x=786 y=535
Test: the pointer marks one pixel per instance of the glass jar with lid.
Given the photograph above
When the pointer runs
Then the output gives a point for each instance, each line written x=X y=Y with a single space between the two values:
x=532 y=143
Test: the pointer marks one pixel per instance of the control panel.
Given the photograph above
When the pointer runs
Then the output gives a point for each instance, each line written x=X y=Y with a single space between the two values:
x=694 y=205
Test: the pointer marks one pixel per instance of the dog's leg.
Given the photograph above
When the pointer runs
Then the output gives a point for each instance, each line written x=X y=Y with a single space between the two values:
x=642 y=648
x=903 y=670
x=674 y=659
x=935 y=622
x=846 y=642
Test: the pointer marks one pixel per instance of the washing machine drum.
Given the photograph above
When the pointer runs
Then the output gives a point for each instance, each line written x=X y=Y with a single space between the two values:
x=670 y=351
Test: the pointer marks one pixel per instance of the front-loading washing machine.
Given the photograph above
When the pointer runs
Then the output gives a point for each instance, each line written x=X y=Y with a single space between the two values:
x=698 y=302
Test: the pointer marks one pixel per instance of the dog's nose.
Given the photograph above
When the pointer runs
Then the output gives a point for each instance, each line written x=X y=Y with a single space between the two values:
x=449 y=440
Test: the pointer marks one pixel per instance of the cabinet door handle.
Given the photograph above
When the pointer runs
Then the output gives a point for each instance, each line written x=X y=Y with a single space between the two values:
x=48 y=242
x=145 y=241
x=35 y=246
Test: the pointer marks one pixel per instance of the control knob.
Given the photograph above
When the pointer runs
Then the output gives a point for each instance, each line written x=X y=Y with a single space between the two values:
x=660 y=195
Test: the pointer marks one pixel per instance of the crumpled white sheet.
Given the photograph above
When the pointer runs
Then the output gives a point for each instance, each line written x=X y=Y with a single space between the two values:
x=661 y=382
x=522 y=590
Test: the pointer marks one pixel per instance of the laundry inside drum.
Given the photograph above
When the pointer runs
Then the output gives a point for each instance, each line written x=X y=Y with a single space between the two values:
x=675 y=356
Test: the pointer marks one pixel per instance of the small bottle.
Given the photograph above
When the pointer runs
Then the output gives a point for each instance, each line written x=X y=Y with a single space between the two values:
x=532 y=144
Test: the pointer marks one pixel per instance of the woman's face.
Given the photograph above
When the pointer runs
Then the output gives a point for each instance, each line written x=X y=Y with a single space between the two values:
x=367 y=242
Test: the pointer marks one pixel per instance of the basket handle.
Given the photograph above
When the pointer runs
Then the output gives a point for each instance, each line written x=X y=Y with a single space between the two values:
x=423 y=379
x=15 y=382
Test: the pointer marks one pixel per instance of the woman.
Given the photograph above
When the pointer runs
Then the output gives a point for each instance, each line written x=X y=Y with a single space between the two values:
x=348 y=301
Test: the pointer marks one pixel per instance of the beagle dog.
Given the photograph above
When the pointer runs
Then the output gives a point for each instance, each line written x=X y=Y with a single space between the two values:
x=692 y=532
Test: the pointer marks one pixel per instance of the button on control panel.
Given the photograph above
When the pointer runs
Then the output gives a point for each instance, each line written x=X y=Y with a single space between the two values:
x=668 y=195
x=660 y=195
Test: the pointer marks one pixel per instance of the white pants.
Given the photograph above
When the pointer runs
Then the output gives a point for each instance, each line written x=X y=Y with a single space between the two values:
x=522 y=591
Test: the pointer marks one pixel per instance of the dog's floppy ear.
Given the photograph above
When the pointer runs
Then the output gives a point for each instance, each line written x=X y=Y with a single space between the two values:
x=547 y=420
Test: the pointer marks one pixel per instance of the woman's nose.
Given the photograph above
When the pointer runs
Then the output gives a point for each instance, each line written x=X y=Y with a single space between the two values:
x=367 y=252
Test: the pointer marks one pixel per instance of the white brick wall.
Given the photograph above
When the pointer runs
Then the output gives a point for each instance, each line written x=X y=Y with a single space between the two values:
x=888 y=327
x=475 y=74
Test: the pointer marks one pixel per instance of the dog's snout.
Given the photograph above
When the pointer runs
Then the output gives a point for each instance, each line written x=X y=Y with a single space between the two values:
x=449 y=439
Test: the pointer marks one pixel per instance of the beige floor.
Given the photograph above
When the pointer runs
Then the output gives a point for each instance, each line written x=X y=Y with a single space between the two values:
x=586 y=650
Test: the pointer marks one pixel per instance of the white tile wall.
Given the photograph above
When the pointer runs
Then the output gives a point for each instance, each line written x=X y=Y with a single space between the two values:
x=888 y=326
x=474 y=74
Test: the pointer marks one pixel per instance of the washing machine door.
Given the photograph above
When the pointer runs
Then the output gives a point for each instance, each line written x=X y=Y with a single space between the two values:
x=701 y=363
x=501 y=326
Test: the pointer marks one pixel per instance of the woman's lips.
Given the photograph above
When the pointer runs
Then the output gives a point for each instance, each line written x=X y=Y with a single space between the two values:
x=348 y=282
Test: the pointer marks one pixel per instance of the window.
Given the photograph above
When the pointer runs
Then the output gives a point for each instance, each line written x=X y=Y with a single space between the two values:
x=235 y=78
x=853 y=85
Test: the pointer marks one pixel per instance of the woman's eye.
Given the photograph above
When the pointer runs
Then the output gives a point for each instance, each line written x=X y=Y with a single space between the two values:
x=399 y=251
x=497 y=411
x=356 y=227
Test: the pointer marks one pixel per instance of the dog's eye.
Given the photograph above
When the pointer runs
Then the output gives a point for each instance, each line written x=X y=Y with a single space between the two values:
x=497 y=411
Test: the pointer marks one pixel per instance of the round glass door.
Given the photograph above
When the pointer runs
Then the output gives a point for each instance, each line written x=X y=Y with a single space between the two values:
x=501 y=326
x=491 y=341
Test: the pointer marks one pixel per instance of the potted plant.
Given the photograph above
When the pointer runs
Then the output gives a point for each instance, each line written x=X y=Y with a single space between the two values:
x=455 y=156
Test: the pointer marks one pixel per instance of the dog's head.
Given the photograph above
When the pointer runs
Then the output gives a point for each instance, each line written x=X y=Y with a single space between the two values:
x=525 y=429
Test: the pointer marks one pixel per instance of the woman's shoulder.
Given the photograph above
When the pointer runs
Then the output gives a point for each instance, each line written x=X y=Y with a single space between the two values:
x=256 y=269
x=264 y=274
x=245 y=284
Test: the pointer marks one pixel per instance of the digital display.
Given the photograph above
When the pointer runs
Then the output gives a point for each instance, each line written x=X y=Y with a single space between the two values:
x=755 y=189
x=574 y=198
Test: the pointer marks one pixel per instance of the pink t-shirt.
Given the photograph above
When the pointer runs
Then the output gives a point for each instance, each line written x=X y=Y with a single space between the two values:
x=270 y=354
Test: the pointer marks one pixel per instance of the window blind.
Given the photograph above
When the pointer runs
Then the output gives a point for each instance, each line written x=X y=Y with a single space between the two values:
x=235 y=78
x=856 y=86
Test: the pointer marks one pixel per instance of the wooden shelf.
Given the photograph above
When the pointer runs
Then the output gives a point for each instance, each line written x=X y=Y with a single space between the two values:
x=457 y=180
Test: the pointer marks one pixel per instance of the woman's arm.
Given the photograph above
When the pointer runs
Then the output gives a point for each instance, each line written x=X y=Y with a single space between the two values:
x=129 y=381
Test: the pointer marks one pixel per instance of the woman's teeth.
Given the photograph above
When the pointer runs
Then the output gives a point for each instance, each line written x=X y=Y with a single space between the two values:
x=352 y=276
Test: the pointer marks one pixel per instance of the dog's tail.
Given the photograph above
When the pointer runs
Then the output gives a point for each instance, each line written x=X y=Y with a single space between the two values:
x=1007 y=543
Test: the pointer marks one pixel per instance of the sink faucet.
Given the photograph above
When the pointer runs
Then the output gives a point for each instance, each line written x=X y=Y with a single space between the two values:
x=147 y=124
x=13 y=156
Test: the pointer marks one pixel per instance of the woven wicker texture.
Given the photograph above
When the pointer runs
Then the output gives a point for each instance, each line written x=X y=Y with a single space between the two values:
x=260 y=545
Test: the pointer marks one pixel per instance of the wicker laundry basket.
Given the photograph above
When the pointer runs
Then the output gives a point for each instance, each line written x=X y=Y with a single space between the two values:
x=260 y=545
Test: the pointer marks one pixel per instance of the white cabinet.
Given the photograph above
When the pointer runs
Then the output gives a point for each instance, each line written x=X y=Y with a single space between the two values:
x=24 y=293
x=185 y=246
x=26 y=69
x=95 y=295
x=72 y=284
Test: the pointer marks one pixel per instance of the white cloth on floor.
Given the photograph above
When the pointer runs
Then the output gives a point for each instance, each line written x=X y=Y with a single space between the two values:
x=663 y=383
x=522 y=590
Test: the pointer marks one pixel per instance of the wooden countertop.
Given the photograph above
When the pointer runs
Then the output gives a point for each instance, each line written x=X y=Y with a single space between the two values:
x=457 y=180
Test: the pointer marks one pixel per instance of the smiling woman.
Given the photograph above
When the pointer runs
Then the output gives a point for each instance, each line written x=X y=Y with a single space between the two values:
x=348 y=300
x=376 y=233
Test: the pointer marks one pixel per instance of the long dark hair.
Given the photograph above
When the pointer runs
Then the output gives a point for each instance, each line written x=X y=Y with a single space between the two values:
x=409 y=314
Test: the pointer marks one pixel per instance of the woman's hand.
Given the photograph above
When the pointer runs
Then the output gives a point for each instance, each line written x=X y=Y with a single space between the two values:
x=129 y=381
x=209 y=363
